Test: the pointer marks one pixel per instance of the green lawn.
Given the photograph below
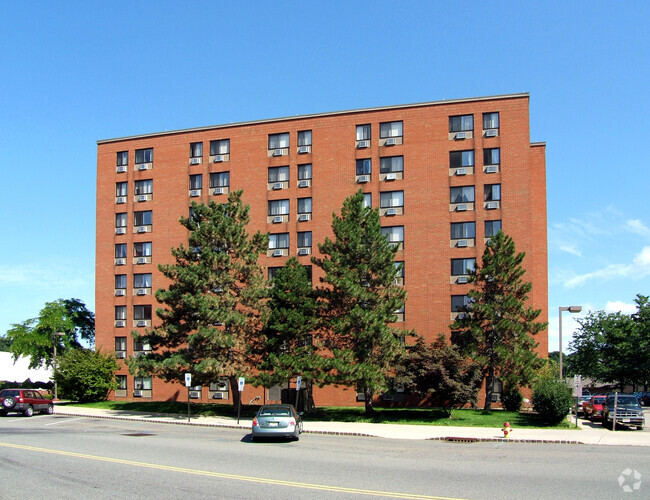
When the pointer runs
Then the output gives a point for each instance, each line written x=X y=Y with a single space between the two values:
x=418 y=416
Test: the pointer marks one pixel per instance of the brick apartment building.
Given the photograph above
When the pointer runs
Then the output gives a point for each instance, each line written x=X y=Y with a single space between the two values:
x=445 y=176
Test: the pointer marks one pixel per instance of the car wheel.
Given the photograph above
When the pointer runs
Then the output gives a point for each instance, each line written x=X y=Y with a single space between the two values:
x=9 y=402
x=49 y=410
x=29 y=411
x=640 y=427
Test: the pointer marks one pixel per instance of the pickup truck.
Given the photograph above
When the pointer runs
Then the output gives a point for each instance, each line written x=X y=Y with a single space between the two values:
x=628 y=411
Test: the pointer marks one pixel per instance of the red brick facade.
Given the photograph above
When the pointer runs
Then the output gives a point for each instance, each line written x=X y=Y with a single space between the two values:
x=426 y=214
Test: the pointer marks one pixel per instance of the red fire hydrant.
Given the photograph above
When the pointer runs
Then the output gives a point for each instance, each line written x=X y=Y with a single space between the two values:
x=506 y=429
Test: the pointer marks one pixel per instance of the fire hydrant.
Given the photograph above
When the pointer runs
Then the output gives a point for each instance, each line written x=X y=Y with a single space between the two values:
x=506 y=429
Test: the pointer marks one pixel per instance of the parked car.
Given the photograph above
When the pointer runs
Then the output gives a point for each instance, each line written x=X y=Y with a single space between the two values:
x=628 y=411
x=594 y=407
x=277 y=421
x=25 y=401
x=581 y=404
x=645 y=399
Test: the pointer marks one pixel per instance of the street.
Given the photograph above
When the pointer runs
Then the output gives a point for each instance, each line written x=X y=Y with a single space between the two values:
x=70 y=457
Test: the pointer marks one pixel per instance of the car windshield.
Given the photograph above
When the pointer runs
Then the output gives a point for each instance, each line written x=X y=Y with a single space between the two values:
x=624 y=400
x=599 y=401
x=275 y=412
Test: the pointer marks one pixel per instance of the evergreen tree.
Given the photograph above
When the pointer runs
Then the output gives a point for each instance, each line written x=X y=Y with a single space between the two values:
x=291 y=320
x=360 y=299
x=496 y=328
x=211 y=325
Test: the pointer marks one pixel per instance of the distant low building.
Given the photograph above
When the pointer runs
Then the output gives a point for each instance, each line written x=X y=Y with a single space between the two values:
x=19 y=370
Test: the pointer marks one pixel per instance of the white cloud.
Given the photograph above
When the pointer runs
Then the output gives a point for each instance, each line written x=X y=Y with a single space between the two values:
x=639 y=268
x=570 y=248
x=637 y=227
x=618 y=306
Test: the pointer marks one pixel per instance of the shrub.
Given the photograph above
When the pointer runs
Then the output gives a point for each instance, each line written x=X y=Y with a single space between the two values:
x=512 y=399
x=552 y=400
x=85 y=375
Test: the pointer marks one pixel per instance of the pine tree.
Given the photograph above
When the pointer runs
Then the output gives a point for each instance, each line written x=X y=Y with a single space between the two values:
x=211 y=323
x=496 y=328
x=360 y=299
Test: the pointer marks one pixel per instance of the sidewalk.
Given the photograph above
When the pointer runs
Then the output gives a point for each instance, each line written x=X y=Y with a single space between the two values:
x=588 y=433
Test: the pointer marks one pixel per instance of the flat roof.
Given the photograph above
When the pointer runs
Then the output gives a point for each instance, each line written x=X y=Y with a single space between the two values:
x=316 y=115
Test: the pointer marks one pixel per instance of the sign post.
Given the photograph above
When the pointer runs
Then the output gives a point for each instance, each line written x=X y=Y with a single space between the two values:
x=577 y=392
x=298 y=383
x=241 y=381
x=188 y=384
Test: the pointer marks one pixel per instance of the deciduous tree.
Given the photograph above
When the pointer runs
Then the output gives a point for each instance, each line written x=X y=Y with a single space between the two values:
x=85 y=375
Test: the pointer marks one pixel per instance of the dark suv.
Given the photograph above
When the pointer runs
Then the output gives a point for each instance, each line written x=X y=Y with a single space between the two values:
x=25 y=401
x=628 y=411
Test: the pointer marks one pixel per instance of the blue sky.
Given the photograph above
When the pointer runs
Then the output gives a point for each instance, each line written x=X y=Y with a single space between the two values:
x=76 y=72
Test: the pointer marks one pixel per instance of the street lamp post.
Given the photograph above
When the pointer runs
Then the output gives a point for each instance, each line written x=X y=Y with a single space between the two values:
x=571 y=309
x=56 y=334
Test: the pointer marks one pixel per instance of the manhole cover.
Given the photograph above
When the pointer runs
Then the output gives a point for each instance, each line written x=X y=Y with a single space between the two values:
x=138 y=434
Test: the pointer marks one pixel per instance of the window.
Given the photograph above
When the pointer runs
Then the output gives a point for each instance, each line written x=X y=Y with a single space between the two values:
x=120 y=344
x=492 y=192
x=462 y=230
x=391 y=199
x=463 y=123
x=196 y=181
x=304 y=205
x=122 y=158
x=144 y=155
x=492 y=227
x=390 y=129
x=399 y=269
x=364 y=167
x=278 y=174
x=462 y=194
x=367 y=200
x=144 y=187
x=279 y=207
x=278 y=241
x=120 y=312
x=121 y=188
x=121 y=381
x=120 y=281
x=279 y=141
x=304 y=172
x=460 y=267
x=490 y=120
x=143 y=218
x=399 y=314
x=142 y=280
x=273 y=271
x=142 y=383
x=219 y=179
x=459 y=159
x=120 y=250
x=394 y=234
x=304 y=138
x=491 y=156
x=142 y=249
x=141 y=346
x=459 y=302
x=304 y=239
x=142 y=312
x=391 y=164
x=220 y=147
x=363 y=132
x=120 y=220
x=196 y=150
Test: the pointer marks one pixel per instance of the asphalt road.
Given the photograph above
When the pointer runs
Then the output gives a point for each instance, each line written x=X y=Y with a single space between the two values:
x=66 y=457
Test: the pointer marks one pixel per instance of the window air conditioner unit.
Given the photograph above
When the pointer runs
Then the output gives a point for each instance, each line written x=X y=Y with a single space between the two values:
x=142 y=322
x=137 y=394
x=363 y=178
x=390 y=142
x=496 y=398
x=461 y=279
x=218 y=395
x=142 y=229
x=361 y=396
x=398 y=282
x=491 y=205
x=303 y=150
x=462 y=243
x=142 y=260
x=278 y=253
x=219 y=158
x=195 y=192
x=390 y=177
x=491 y=133
x=461 y=208
x=277 y=152
x=218 y=191
x=142 y=197
x=387 y=397
x=121 y=169
x=120 y=262
x=119 y=323
x=461 y=171
x=120 y=200
x=303 y=217
x=491 y=169
x=363 y=144
x=461 y=135
x=120 y=355
x=303 y=184
x=120 y=230
x=141 y=291
x=303 y=251
x=120 y=292
x=391 y=211
x=195 y=394
x=277 y=185
x=142 y=166
x=195 y=161
x=277 y=219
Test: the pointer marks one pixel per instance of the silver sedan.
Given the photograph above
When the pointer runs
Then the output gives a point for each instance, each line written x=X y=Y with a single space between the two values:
x=277 y=421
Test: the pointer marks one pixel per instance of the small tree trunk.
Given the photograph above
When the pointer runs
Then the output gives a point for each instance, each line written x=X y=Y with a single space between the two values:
x=310 y=406
x=234 y=389
x=489 y=387
x=367 y=396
